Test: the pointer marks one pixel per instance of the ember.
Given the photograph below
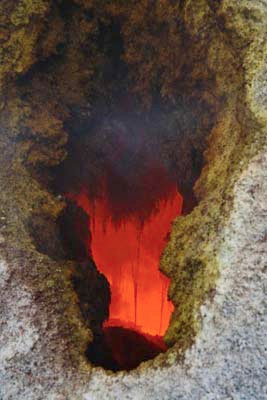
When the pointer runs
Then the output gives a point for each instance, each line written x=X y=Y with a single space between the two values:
x=128 y=254
x=127 y=251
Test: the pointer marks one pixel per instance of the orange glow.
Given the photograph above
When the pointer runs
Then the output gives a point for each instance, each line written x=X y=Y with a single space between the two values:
x=127 y=252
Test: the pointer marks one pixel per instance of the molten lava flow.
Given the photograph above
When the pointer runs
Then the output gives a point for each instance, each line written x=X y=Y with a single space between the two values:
x=128 y=253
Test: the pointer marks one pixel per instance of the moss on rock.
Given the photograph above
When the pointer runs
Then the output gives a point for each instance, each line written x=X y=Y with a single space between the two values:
x=190 y=258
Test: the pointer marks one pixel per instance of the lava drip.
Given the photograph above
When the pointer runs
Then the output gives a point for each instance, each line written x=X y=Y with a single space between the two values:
x=127 y=251
x=128 y=254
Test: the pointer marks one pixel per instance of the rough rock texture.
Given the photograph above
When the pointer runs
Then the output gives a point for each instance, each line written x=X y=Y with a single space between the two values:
x=216 y=256
x=229 y=357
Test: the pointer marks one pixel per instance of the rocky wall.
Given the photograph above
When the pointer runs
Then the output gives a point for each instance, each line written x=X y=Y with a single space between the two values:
x=216 y=255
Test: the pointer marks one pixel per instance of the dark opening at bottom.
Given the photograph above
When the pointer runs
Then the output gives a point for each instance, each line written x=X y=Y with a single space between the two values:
x=119 y=349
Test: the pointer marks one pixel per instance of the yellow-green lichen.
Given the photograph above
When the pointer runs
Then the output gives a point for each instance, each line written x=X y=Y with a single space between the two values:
x=26 y=9
x=191 y=256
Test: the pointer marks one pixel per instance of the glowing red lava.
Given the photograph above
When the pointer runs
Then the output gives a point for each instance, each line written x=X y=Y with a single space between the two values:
x=128 y=253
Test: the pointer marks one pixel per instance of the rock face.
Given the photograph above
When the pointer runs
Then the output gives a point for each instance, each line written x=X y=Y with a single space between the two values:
x=216 y=255
x=228 y=358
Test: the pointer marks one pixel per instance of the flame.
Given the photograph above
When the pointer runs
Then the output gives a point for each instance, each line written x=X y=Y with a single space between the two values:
x=127 y=252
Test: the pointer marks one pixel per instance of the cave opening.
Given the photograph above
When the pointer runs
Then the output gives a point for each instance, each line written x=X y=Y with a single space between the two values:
x=136 y=124
x=123 y=190
x=119 y=176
